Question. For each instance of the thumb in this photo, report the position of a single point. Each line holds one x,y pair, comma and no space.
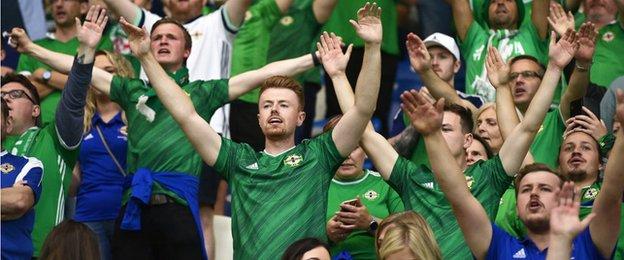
77,23
553,36
349,49
587,220
355,25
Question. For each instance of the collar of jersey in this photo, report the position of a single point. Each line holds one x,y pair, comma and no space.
366,173
276,155
3,152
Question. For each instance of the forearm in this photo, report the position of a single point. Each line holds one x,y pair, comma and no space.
539,12
541,101
344,93
506,114
405,143
124,8
369,80
42,89
380,152
462,15
57,61
440,89
577,87
447,172
70,110
14,202
247,81
236,10
559,248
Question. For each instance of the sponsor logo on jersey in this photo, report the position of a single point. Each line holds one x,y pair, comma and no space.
6,168
89,136
428,185
287,20
371,195
520,254
591,194
293,160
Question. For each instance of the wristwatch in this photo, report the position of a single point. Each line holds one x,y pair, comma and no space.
372,227
46,76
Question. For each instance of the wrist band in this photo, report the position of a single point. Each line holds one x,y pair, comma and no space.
580,68
315,59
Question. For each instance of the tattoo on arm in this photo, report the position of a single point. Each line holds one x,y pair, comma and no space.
406,142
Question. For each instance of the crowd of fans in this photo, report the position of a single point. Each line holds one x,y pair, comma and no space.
124,133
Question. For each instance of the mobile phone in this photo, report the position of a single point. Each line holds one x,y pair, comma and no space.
576,107
352,202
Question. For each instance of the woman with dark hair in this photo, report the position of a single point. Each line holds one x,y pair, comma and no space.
70,240
307,249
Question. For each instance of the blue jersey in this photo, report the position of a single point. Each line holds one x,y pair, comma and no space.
505,246
101,187
16,241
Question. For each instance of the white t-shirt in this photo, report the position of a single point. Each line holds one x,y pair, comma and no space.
211,53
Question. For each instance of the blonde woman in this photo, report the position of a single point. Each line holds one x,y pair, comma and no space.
99,173
406,235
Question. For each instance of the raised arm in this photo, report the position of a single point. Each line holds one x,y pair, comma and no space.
427,120
236,10
245,82
579,80
349,129
607,204
57,61
124,8
420,60
565,224
539,17
515,148
462,15
323,9
498,74
205,140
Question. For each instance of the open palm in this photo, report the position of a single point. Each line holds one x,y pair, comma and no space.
497,69
587,42
90,32
331,55
561,53
418,55
564,219
137,38
368,27
425,116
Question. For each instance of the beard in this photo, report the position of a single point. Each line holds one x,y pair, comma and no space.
538,225
577,175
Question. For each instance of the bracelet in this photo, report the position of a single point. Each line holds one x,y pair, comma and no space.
315,59
580,68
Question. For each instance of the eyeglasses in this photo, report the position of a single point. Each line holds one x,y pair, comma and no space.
525,74
17,93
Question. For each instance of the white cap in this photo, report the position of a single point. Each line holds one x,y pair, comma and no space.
445,41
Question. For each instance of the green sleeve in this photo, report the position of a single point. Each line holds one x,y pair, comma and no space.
494,175
209,96
475,37
399,178
227,158
25,63
395,204
70,156
327,152
119,91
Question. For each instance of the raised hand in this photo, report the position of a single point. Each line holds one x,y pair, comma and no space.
559,20
19,40
497,68
137,37
561,53
587,43
425,116
90,32
564,219
588,123
331,55
418,55
368,27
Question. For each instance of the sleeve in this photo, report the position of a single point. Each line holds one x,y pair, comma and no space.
70,110
328,155
226,22
476,35
119,91
148,19
498,242
494,175
395,204
209,96
227,158
399,177
34,176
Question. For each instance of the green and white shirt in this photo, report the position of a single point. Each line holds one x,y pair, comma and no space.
420,192
277,199
380,201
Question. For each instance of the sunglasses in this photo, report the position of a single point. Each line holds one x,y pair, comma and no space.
17,93
525,74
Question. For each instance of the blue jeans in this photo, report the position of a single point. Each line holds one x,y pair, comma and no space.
104,232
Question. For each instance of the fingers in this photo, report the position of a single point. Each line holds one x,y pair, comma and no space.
324,42
349,50
355,25
585,222
589,113
553,36
320,49
102,18
348,208
90,13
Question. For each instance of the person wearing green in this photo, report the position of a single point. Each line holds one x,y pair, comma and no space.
358,200
505,30
338,24
280,194
173,153
50,82
56,143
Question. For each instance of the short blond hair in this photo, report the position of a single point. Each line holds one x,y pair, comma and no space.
482,109
408,230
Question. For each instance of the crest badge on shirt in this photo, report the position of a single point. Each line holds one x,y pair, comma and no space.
469,181
590,194
7,168
287,20
293,160
371,195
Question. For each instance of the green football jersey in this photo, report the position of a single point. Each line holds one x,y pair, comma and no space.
347,10
158,143
510,43
251,44
277,199
420,192
295,35
380,201
58,163
545,147
28,64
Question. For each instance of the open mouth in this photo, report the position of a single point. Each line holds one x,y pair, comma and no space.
519,91
163,51
576,161
275,120
534,206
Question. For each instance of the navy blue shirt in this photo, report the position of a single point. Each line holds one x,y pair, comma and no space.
16,241
101,187
505,246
